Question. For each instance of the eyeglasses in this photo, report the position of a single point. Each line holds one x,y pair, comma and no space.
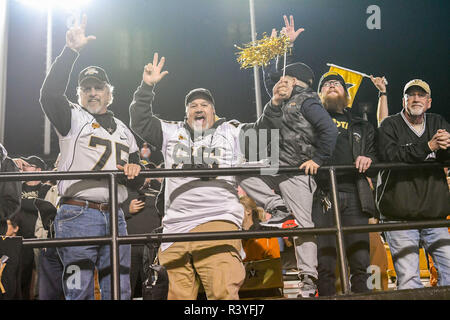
334,83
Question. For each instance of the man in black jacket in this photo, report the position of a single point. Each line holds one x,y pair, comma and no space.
9,248
10,191
27,218
414,136
355,145
142,216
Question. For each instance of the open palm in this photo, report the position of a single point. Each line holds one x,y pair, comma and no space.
76,36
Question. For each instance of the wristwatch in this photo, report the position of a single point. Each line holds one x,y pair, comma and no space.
382,94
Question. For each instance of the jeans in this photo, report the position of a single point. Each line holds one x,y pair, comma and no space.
404,246
357,245
80,262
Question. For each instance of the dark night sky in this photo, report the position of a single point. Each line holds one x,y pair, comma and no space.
197,38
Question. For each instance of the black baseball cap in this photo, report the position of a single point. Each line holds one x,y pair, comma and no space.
300,71
199,93
35,161
331,75
93,72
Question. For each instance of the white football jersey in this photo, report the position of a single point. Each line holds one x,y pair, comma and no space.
88,146
190,201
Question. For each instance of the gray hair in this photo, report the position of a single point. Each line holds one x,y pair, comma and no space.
111,95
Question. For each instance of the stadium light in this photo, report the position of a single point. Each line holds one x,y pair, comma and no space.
73,7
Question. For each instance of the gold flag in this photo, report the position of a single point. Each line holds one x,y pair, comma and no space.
352,79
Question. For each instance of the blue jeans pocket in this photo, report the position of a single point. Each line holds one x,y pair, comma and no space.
66,219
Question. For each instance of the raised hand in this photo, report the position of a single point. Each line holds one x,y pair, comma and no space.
281,91
20,163
289,29
379,83
76,36
152,71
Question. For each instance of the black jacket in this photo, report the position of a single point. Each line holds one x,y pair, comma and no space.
306,129
10,191
362,140
148,219
412,194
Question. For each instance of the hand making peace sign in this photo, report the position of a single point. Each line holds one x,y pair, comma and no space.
152,71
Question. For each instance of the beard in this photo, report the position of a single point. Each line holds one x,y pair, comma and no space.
335,103
416,112
94,110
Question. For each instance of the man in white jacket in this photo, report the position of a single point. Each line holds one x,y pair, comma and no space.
196,204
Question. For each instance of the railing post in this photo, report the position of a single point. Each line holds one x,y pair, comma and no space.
114,249
339,234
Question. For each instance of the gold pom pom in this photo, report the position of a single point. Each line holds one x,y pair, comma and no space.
260,52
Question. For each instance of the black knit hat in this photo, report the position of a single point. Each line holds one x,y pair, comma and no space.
301,72
199,93
331,76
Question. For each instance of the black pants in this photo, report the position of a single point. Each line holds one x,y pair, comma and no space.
357,245
27,268
51,272
136,270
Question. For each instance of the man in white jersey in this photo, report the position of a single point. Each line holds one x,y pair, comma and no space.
90,138
196,204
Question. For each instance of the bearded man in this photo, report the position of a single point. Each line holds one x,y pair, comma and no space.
355,145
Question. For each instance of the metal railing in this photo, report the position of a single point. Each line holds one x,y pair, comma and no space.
114,240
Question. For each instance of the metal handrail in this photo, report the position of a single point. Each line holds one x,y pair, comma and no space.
114,240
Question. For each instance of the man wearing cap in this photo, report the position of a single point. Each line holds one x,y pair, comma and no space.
415,136
355,145
90,138
28,219
308,138
196,204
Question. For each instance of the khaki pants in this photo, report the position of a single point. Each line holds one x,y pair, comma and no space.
217,265
378,257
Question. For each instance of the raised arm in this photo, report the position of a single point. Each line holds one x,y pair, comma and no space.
53,98
382,109
142,120
273,72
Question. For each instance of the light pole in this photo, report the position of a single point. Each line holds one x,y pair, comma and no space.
71,6
255,69
4,16
48,64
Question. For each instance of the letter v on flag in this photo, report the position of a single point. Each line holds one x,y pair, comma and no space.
352,79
